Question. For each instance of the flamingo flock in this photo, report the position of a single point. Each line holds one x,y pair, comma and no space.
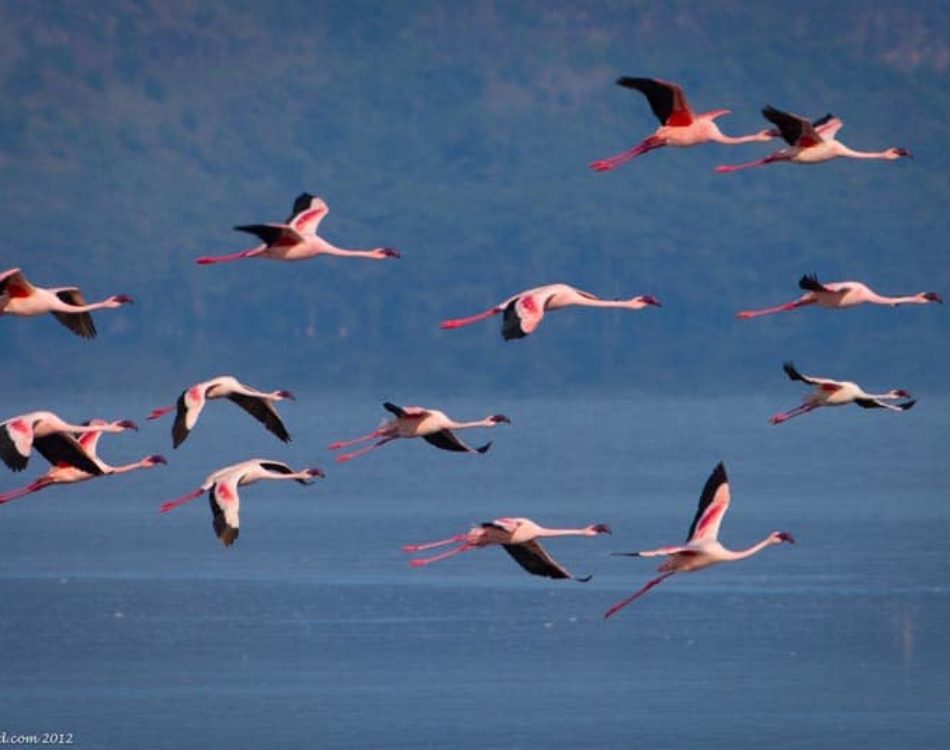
71,448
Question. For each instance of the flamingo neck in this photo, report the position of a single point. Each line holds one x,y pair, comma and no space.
744,553
486,422
566,532
842,150
880,299
328,249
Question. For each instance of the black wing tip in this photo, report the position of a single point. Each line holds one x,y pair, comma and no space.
809,282
583,579
719,474
484,448
908,405
790,370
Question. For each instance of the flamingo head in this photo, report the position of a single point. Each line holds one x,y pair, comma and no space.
897,153
388,252
155,460
127,424
782,536
499,419
932,297
286,395
314,472
649,299
899,393
121,299
599,528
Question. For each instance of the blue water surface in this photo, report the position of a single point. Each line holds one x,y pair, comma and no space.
128,628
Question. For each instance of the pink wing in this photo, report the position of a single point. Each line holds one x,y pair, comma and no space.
307,221
530,312
713,504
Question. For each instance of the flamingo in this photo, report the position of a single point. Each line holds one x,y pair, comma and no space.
702,548
808,144
519,538
838,393
222,488
297,238
838,295
65,473
256,403
19,297
415,421
50,436
679,125
524,311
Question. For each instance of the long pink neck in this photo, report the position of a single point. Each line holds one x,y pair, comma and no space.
486,422
144,463
754,549
843,150
720,137
880,299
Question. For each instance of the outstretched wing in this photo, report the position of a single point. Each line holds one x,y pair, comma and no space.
873,403
272,234
14,284
713,504
187,411
225,505
307,213
795,130
667,100
60,448
825,383
522,316
79,323
16,443
534,558
447,441
264,412
393,409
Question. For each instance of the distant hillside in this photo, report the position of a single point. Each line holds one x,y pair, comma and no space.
134,135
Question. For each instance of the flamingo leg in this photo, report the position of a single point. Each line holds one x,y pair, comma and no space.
612,162
344,443
209,259
419,562
344,457
459,322
624,602
160,411
784,416
787,307
172,504
430,545
725,168
18,493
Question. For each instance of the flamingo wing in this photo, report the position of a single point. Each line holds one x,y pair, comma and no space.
187,410
393,409
307,213
795,130
60,448
826,384
810,283
79,323
89,442
448,441
13,281
279,467
667,100
264,412
16,442
873,403
521,317
272,234
225,505
534,558
713,504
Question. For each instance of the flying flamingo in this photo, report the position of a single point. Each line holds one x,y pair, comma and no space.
810,145
51,436
414,421
297,238
679,125
838,295
524,311
65,473
256,403
838,393
222,488
19,297
519,538
702,548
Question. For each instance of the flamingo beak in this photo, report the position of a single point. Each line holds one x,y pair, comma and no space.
128,424
157,459
904,152
287,395
786,537
500,419
315,472
602,528
651,300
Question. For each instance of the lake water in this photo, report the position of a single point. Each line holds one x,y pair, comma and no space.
128,628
